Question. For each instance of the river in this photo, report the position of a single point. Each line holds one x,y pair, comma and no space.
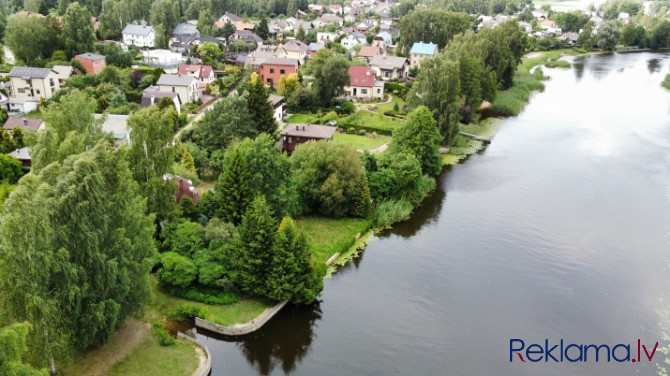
557,230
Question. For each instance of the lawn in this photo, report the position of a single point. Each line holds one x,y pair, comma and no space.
328,236
241,312
362,142
152,359
389,106
300,118
377,121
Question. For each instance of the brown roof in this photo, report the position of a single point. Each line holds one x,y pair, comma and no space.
23,123
370,51
309,131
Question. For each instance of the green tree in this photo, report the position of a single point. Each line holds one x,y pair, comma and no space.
75,241
78,35
438,88
253,245
420,136
608,36
262,29
113,18
10,169
430,25
17,137
505,46
288,85
183,237
291,273
151,155
228,120
227,30
629,34
330,179
585,39
260,108
233,188
164,19
398,176
209,52
331,75
187,161
177,270
13,351
300,34
27,37
205,21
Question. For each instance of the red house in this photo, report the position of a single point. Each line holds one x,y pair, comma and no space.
93,63
185,188
272,69
296,134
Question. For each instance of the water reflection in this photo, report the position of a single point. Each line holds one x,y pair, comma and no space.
578,66
426,214
654,65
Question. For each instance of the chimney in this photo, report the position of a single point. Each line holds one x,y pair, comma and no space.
303,127
296,128
25,122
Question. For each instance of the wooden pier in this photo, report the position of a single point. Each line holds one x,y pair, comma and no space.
475,137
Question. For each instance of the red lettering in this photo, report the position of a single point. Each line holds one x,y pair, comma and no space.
647,353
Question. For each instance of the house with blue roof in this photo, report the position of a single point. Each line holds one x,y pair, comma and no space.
422,51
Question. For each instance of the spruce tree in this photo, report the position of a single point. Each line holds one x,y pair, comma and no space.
262,30
300,35
233,188
253,244
187,161
260,108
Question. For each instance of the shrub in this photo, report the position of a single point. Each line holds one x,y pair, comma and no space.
177,270
164,338
362,132
666,81
392,211
205,295
558,64
10,169
186,311
351,130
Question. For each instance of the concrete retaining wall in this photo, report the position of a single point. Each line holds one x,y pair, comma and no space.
208,367
240,330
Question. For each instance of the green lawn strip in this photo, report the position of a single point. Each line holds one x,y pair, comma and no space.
373,120
238,313
300,118
152,359
389,106
328,236
36,114
362,142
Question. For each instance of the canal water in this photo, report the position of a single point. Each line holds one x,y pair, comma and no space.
558,230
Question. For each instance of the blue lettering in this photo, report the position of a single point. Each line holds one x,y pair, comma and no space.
512,350
547,351
530,351
567,355
597,348
627,358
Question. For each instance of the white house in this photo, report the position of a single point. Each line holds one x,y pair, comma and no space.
162,58
354,39
277,102
139,35
28,86
117,125
184,85
325,37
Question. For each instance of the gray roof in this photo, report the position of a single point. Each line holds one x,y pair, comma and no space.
29,72
281,61
296,45
316,46
64,71
175,80
388,62
275,99
23,123
116,124
91,56
185,28
151,95
142,30
309,131
22,154
233,17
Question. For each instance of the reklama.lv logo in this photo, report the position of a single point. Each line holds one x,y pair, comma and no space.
579,352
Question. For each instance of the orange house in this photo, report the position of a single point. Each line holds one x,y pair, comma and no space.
272,69
93,63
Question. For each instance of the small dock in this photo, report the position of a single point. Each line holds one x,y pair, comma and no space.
475,137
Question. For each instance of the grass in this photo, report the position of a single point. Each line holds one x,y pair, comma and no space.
35,114
362,142
389,106
377,121
464,146
328,236
152,359
241,312
558,64
666,81
300,118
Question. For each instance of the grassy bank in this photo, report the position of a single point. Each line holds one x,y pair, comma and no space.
362,142
328,236
666,81
152,359
464,146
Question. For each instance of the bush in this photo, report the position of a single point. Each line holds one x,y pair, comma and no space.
558,64
10,169
666,81
177,270
362,132
186,311
205,295
392,211
164,338
351,130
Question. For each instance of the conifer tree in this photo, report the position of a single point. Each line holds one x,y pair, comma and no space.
17,136
187,161
233,189
262,30
253,244
259,107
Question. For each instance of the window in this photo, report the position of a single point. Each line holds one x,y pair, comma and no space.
27,82
378,91
272,70
21,90
290,140
364,91
281,71
37,92
51,82
173,89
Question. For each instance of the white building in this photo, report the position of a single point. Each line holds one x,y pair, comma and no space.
139,35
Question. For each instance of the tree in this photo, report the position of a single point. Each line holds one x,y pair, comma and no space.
182,237
205,21
430,25
209,52
331,75
291,273
262,29
505,46
330,179
260,109
17,137
420,136
300,34
233,188
74,243
228,120
228,29
164,19
629,34
11,169
187,161
13,351
287,85
608,36
177,270
585,39
113,17
27,37
438,88
151,155
78,33
253,244
660,37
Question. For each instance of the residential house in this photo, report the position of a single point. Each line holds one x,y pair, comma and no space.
365,25
185,188
354,39
152,95
382,39
354,14
245,36
328,19
93,63
26,124
29,85
315,8
162,58
394,32
117,125
325,37
277,102
273,69
244,26
550,28
297,134
314,48
335,8
185,33
570,39
363,84
390,67
184,85
296,49
203,73
227,17
368,52
422,51
139,35
300,14
23,155
64,73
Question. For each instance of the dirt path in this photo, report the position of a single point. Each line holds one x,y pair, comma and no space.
100,361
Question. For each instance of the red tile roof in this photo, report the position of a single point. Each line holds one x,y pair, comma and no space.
361,76
201,71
